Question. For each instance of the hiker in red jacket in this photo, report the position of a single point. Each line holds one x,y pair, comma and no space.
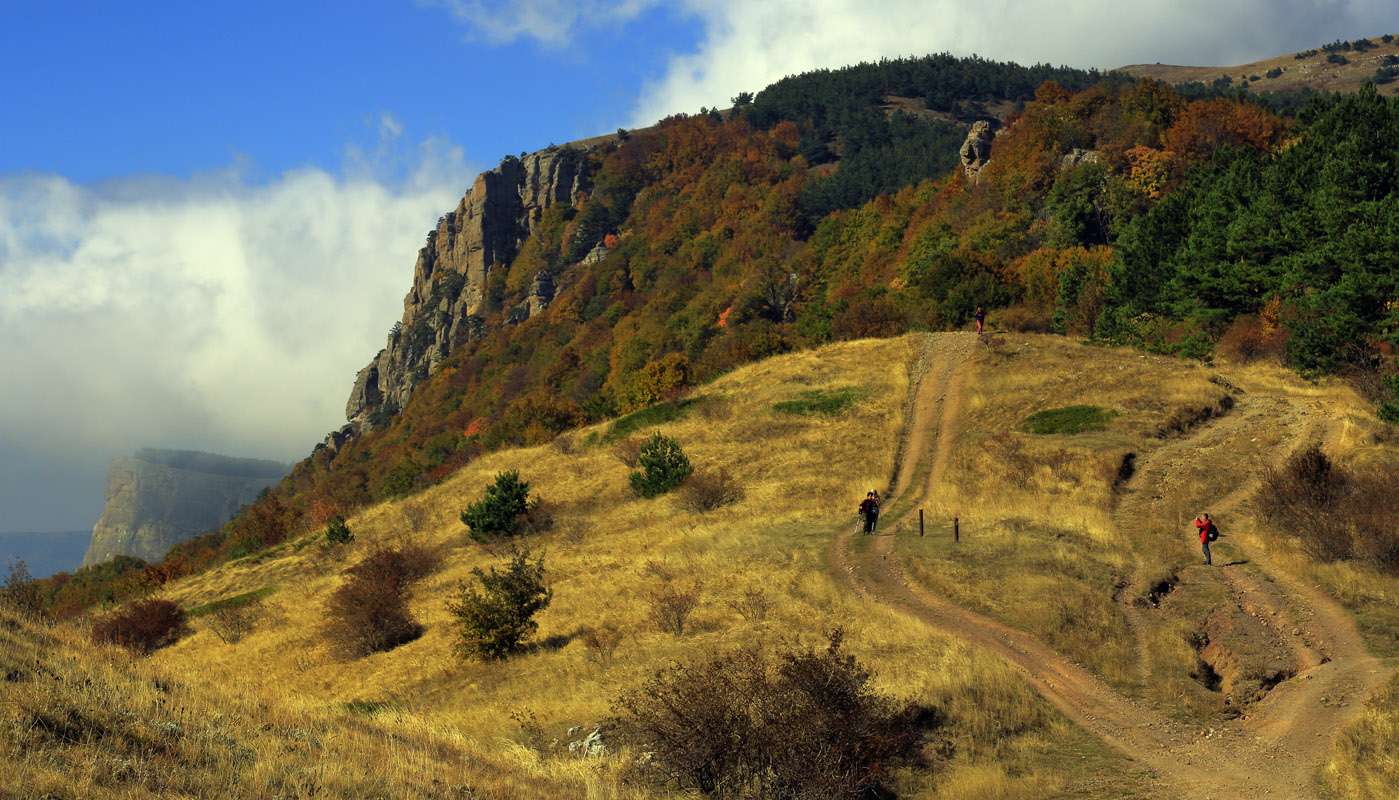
1206,527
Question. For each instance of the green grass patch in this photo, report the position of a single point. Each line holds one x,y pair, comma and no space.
650,417
236,601
1069,419
820,403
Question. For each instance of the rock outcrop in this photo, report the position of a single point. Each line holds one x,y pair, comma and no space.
1078,156
976,150
158,498
444,307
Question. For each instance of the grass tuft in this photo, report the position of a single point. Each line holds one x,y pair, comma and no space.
1067,420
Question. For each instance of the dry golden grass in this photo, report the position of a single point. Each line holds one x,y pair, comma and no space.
503,726
1039,548
1364,763
1042,522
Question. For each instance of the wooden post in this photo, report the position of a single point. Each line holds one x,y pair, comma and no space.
920,523
956,530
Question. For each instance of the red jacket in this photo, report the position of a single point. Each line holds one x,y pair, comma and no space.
1204,526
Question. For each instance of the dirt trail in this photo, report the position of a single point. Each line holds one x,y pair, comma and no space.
1270,753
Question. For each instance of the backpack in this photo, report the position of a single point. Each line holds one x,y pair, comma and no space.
1213,532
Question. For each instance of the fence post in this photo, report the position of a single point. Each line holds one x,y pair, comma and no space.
956,530
920,523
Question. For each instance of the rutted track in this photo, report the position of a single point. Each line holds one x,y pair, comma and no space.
1271,753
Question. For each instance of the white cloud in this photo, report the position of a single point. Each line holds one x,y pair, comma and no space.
210,313
746,45
551,22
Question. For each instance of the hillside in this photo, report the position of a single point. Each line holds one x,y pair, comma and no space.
1069,641
1337,67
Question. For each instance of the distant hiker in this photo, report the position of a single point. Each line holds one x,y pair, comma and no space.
1208,533
980,317
867,512
874,511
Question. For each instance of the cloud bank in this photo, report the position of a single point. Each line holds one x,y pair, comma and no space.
214,313
743,46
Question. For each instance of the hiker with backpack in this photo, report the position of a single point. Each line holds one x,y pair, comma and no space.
869,511
1208,533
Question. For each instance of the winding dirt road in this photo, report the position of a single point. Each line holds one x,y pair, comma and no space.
1270,753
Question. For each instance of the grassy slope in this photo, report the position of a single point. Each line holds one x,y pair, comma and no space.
1039,521
1312,72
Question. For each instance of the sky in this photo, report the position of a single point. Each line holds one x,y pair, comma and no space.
209,212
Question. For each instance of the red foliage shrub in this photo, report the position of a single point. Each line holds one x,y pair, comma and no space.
144,626
1250,339
369,613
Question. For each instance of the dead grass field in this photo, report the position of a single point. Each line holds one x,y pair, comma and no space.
1043,548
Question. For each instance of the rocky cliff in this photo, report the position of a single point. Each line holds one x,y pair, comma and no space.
441,310
160,497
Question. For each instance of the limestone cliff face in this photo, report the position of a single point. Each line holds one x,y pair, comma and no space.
161,497
441,309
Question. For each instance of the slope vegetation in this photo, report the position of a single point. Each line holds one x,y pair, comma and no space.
1069,639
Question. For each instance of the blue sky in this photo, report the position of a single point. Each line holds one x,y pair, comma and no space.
209,211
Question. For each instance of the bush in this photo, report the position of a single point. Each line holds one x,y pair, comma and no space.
706,490
671,607
495,621
232,623
498,513
1333,513
628,452
143,627
21,593
337,532
739,726
369,613
1250,339
663,467
600,643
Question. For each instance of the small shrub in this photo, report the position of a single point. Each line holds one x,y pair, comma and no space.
369,613
752,606
21,593
1026,319
143,627
706,490
498,513
416,514
1067,420
819,403
1250,339
1334,513
627,451
600,643
231,624
337,532
738,725
493,622
1007,454
1301,499
671,607
663,466
401,566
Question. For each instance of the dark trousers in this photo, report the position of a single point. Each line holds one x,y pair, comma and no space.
1205,546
